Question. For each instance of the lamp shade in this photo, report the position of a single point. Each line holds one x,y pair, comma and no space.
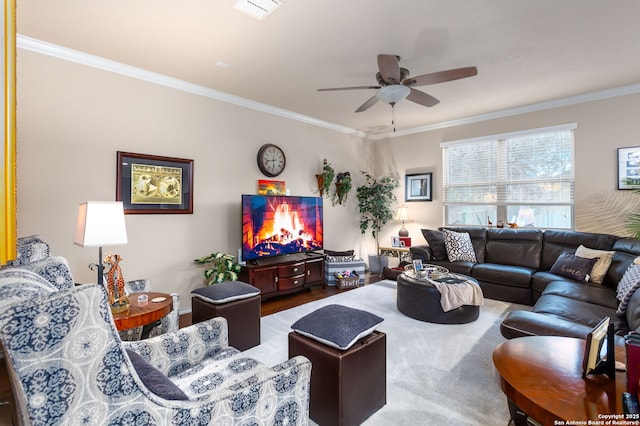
100,223
402,214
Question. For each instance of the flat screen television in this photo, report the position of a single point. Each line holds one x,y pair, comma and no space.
274,225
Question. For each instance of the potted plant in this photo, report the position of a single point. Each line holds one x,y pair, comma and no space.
223,268
343,186
375,198
325,179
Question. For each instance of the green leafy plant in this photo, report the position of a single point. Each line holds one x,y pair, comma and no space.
325,179
343,186
375,199
223,268
633,222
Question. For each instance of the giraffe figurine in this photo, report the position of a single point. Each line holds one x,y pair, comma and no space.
118,299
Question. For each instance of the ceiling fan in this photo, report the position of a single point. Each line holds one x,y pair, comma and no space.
395,83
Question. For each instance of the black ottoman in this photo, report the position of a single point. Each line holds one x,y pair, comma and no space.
239,303
420,300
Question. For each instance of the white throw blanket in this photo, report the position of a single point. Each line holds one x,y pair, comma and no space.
452,296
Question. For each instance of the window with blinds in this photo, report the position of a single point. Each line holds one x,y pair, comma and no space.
525,178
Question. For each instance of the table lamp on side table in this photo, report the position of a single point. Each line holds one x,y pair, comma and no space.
100,223
402,214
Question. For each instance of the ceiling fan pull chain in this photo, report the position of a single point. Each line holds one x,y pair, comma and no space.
393,116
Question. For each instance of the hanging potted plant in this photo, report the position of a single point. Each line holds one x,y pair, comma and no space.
343,186
223,268
325,179
375,199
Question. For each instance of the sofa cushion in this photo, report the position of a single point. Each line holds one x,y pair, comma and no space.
581,312
517,247
227,291
337,326
628,285
522,323
602,265
591,293
516,276
459,247
154,380
435,239
574,267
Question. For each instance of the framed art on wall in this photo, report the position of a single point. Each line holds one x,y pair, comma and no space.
150,184
417,187
629,168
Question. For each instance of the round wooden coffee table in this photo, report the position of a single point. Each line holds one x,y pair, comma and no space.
542,376
143,313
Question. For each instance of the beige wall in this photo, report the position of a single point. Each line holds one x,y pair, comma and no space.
72,119
603,126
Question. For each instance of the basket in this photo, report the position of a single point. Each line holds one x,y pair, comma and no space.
347,282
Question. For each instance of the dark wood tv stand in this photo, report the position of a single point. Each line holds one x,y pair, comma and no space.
285,274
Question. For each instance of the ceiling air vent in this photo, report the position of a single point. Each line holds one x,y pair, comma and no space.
258,9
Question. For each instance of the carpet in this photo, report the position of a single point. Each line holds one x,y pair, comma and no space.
437,374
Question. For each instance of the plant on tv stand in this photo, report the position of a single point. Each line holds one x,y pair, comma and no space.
223,268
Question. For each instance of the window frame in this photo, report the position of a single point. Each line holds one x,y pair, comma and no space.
501,204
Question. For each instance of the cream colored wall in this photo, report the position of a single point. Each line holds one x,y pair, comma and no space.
603,126
71,121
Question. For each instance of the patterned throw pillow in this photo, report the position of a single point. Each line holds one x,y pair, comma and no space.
629,283
459,247
602,265
574,267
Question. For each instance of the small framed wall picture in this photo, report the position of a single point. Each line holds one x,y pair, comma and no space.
629,168
418,187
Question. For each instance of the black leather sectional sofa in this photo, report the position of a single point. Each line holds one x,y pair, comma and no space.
514,265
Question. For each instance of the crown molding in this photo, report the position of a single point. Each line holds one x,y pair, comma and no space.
53,50
50,49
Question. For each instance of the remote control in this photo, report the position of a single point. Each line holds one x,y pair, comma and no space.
630,403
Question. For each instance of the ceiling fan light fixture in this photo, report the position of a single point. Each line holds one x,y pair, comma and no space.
393,93
258,9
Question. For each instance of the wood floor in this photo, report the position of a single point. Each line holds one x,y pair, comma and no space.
281,303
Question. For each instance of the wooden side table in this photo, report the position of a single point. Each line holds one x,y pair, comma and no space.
542,376
143,313
402,253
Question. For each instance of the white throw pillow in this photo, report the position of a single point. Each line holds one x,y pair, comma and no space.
459,247
629,283
602,265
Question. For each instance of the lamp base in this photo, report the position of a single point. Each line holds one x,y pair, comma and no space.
403,232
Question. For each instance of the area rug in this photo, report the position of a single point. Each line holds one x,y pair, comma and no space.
436,374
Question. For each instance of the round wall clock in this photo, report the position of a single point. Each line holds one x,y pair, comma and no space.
271,160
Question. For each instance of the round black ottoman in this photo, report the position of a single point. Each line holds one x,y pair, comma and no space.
420,300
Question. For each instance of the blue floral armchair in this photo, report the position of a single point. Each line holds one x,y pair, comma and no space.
67,365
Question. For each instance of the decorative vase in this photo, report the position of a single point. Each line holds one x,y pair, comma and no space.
116,293
320,179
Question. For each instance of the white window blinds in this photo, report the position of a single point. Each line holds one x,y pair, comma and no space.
525,178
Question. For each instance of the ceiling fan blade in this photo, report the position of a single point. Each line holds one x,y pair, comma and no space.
365,106
422,98
441,76
389,68
349,88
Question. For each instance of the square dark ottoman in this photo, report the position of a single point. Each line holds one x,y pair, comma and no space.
347,385
236,301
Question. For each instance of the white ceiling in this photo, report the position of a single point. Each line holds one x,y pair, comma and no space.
526,51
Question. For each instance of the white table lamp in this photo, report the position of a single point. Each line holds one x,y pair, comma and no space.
100,223
403,215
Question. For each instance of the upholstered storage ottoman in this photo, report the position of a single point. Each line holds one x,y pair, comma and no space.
239,303
347,386
330,269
